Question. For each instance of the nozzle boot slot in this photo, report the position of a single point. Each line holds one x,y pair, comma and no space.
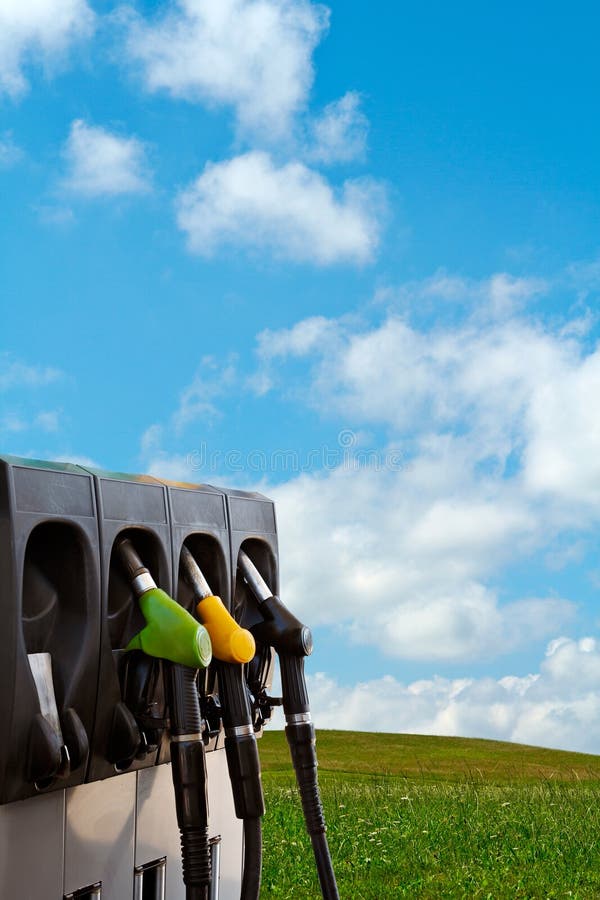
138,720
215,863
55,685
91,892
209,555
125,618
259,672
150,881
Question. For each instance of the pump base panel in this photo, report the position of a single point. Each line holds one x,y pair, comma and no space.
103,839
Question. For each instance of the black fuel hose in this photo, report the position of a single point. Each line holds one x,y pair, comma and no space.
300,734
252,858
292,641
244,770
188,767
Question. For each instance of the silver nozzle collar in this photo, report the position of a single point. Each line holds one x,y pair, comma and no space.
142,583
298,718
239,731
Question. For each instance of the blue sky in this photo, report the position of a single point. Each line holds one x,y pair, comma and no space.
361,254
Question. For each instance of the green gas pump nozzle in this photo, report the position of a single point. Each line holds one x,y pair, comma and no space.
170,631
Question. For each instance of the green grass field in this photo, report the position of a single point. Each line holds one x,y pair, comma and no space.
429,817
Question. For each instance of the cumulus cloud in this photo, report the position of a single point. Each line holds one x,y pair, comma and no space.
40,30
559,706
404,559
412,540
100,163
491,419
340,132
562,457
291,210
510,384
252,55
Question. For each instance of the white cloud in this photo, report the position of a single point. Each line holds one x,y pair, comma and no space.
496,297
340,133
199,403
10,153
173,467
557,707
101,163
38,30
59,216
509,383
253,55
48,421
13,424
409,555
290,209
45,421
16,374
78,460
404,559
562,457
199,400
493,417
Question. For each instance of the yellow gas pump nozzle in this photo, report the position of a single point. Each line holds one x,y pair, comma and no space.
230,642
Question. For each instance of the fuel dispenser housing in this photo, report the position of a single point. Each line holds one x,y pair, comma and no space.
105,825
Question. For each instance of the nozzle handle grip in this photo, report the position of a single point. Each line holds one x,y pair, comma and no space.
240,743
182,694
301,740
282,630
293,685
171,632
230,642
243,764
234,695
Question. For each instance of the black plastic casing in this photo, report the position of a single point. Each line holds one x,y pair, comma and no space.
135,506
64,591
198,515
49,602
253,528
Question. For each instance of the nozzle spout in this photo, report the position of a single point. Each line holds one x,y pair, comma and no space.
256,582
194,576
138,574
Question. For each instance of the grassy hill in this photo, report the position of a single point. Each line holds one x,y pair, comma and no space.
434,758
430,817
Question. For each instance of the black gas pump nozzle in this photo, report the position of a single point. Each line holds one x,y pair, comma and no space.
172,635
292,641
